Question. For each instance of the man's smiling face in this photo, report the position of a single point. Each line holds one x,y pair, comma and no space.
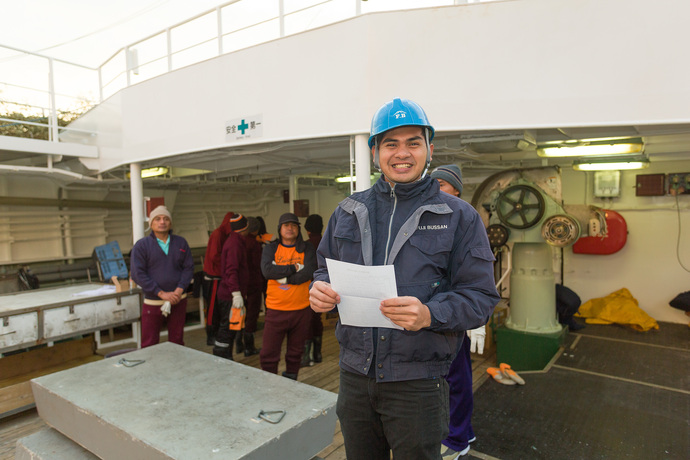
402,154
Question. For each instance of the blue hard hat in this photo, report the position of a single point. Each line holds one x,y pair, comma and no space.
397,113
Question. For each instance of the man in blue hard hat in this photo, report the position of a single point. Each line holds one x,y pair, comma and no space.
392,392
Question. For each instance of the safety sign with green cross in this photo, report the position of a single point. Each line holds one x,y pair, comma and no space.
244,128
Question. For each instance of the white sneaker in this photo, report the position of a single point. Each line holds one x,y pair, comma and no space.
450,454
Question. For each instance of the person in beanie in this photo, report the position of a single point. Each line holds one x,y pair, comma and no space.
233,286
459,378
288,264
255,289
162,265
314,226
392,394
449,178
212,277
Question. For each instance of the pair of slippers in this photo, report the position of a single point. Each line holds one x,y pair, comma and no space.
505,375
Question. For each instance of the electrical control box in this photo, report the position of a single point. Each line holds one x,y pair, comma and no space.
679,184
607,184
650,185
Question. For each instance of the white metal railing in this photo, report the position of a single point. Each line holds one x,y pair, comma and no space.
234,25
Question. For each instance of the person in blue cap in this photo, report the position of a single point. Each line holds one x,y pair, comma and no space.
392,394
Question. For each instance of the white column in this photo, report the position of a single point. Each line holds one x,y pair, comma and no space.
362,162
137,193
293,191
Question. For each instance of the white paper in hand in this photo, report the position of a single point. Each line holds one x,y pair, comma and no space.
361,289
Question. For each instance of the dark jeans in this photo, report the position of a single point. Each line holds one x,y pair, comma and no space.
409,417
459,380
294,324
316,326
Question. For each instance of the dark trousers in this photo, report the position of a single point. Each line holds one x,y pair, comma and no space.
211,300
410,418
459,380
225,335
253,308
152,319
316,326
278,324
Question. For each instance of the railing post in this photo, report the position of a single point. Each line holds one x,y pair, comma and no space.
128,65
169,40
281,18
100,83
52,123
219,20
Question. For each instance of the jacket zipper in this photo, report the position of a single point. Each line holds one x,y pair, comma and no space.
390,223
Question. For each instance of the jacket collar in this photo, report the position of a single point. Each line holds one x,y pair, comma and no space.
425,185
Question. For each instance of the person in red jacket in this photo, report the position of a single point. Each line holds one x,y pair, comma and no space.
255,290
233,284
212,276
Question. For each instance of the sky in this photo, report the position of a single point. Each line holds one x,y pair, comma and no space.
88,32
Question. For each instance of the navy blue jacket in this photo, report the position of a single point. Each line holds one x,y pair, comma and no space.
440,251
154,271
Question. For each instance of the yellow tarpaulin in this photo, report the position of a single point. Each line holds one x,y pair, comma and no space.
619,307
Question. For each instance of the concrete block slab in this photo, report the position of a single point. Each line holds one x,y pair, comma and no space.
181,403
49,444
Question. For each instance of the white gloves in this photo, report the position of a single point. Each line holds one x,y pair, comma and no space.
477,337
282,280
165,308
299,266
237,300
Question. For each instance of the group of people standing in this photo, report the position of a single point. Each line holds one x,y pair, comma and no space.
244,267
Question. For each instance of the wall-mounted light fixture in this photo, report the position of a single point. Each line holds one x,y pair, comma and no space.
611,164
171,172
153,172
592,148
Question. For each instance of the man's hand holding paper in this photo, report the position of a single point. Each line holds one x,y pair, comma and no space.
362,291
408,312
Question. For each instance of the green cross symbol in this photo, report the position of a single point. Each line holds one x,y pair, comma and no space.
243,126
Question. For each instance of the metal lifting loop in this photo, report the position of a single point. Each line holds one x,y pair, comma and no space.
266,415
130,362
